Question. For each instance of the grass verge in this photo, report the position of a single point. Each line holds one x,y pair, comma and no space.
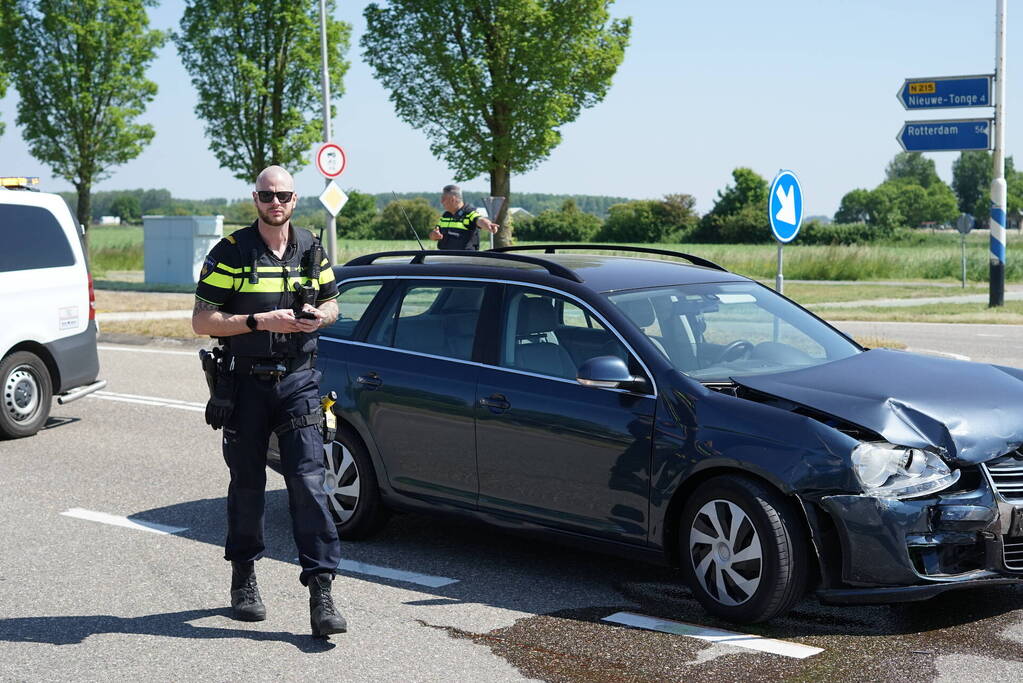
1009,314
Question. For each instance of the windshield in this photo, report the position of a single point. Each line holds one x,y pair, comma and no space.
715,331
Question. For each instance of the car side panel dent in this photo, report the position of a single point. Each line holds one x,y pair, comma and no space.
794,453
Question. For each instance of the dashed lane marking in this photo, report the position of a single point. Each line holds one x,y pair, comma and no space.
714,635
150,401
356,567
932,352
114,520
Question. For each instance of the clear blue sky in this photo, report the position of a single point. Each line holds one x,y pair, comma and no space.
807,85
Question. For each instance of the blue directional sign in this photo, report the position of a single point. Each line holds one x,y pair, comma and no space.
785,206
945,136
946,92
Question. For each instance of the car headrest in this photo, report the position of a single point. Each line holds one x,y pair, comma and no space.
536,314
639,311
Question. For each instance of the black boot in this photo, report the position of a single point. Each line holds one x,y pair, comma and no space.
246,605
323,616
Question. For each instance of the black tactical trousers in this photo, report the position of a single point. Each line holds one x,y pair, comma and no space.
262,404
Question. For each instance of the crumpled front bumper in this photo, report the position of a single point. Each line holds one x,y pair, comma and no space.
906,550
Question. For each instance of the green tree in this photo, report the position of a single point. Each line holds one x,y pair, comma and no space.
883,212
743,199
357,217
651,221
490,83
3,88
392,223
912,167
79,67
126,207
567,224
256,70
971,181
854,207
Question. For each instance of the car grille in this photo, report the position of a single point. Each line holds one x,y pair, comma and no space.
1006,475
1013,548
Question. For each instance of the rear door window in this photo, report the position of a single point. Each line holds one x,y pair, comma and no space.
32,239
433,318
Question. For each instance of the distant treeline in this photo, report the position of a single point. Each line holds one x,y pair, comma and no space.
533,202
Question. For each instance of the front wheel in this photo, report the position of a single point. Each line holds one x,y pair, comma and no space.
743,550
27,394
351,486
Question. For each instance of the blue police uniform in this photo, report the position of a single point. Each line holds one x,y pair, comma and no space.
458,230
241,275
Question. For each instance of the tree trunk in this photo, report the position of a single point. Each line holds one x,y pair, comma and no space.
84,212
500,186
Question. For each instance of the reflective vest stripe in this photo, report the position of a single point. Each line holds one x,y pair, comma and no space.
220,280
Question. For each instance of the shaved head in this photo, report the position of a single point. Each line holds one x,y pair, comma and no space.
274,182
275,175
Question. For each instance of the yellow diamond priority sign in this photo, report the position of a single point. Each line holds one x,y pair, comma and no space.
333,198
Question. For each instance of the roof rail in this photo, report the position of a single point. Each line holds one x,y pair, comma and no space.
550,249
555,269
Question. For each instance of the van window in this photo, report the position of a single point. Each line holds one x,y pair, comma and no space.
32,239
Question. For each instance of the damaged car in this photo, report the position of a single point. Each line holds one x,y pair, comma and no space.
655,405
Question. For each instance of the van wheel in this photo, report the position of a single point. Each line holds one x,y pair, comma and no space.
27,394
351,486
743,550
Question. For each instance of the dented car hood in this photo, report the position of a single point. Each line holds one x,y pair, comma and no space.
972,411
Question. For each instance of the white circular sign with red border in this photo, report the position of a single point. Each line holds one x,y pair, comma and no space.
330,159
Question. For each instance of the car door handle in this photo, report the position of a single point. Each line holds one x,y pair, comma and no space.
496,403
370,380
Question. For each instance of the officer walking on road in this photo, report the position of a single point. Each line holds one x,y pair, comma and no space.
459,227
265,291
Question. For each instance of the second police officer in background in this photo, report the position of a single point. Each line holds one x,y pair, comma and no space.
265,291
458,227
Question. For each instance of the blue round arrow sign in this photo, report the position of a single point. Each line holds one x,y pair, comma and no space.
785,206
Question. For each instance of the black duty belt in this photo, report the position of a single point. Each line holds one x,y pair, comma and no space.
271,367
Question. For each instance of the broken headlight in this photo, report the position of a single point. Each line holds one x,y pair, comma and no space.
889,471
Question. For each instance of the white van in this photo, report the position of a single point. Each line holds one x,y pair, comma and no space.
47,305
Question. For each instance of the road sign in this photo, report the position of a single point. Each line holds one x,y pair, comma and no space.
333,198
965,223
951,135
330,160
946,92
785,206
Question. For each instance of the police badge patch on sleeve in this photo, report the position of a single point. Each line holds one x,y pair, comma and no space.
207,265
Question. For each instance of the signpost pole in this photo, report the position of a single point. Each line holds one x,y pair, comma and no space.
996,296
779,280
329,224
962,243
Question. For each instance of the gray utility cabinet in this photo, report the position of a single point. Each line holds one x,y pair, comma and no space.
175,246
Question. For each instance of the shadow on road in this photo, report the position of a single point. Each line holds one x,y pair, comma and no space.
515,572
70,630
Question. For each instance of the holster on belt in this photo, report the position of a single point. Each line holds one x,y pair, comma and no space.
221,382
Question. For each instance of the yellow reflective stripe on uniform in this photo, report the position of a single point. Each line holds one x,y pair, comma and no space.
228,269
449,224
215,279
326,277
266,285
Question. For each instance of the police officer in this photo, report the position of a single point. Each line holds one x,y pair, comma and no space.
459,227
246,298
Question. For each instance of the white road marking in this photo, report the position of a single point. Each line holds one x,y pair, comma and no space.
114,520
714,635
150,401
104,347
947,354
993,336
428,580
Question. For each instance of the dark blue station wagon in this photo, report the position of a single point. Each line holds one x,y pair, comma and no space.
672,411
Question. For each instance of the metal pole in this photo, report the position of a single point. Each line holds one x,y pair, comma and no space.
779,280
996,295
962,242
329,225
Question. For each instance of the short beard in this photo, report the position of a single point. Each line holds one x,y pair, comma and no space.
269,219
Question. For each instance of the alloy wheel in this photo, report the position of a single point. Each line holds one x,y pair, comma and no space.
341,481
726,552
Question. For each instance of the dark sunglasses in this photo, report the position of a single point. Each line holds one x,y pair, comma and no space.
266,196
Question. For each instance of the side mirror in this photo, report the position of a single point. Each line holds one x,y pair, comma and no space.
609,372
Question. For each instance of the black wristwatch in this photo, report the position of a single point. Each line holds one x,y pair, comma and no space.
250,322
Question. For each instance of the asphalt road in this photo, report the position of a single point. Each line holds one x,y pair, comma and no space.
84,599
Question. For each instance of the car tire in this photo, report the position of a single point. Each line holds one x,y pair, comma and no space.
27,394
742,550
353,496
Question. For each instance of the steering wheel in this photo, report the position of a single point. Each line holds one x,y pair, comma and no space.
730,350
